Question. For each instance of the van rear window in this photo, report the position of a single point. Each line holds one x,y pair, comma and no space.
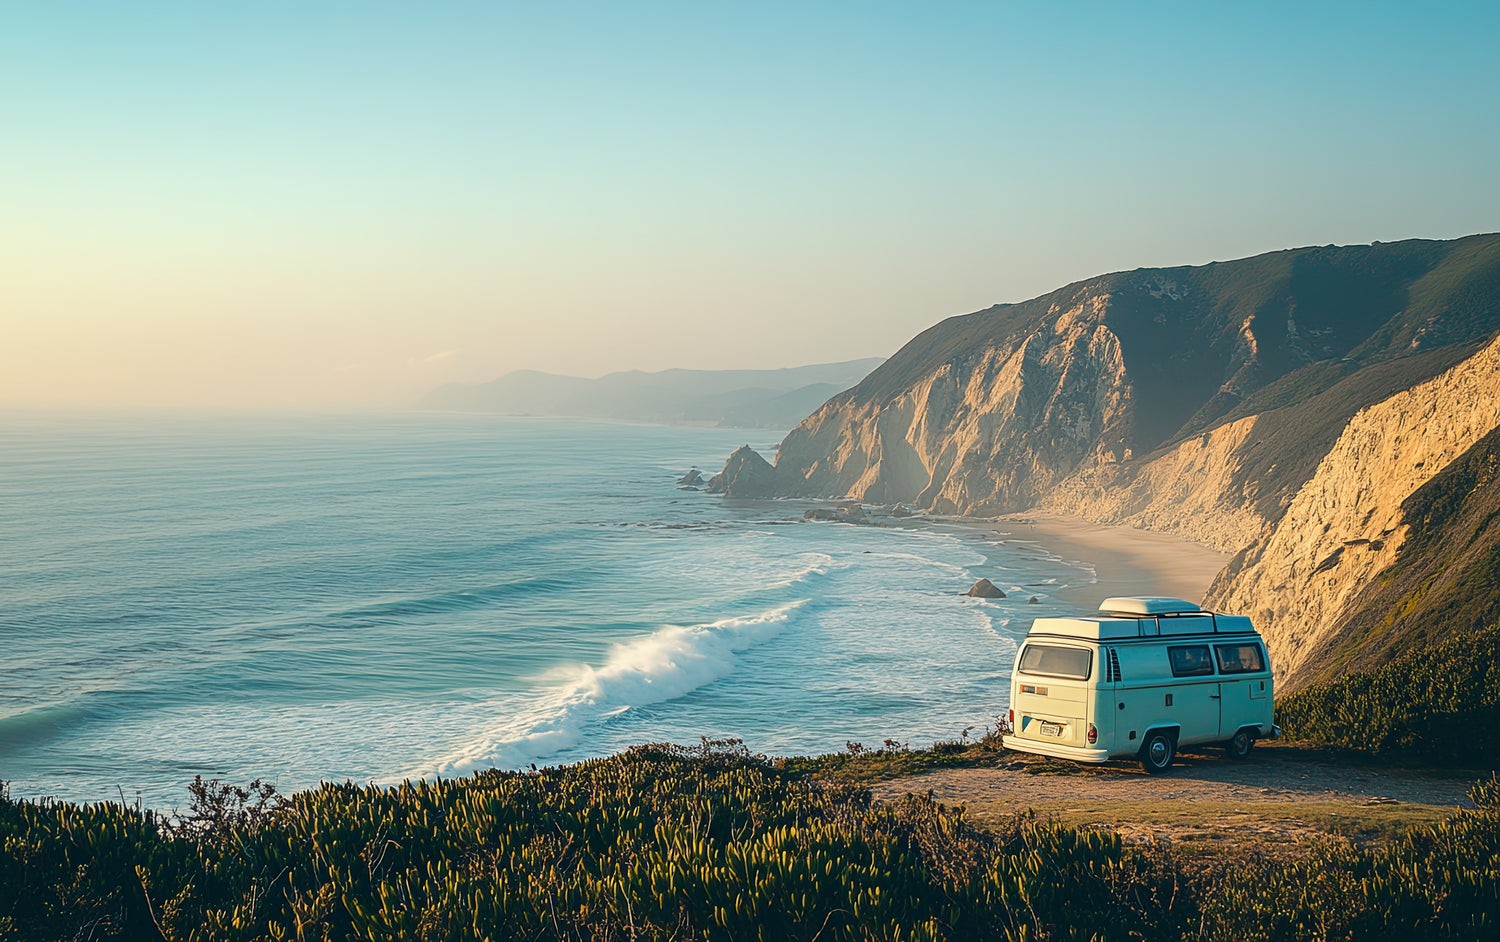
1052,661
1240,658
1190,661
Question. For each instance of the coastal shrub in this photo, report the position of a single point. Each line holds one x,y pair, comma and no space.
1436,704
701,843
654,844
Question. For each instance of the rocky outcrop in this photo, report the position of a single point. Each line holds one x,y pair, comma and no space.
985,589
693,478
844,513
746,474
1345,526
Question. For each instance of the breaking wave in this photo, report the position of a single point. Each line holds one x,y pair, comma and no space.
661,666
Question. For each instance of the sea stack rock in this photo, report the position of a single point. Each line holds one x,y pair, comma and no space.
1033,601
745,474
692,479
985,589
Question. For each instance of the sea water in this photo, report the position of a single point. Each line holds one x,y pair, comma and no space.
302,599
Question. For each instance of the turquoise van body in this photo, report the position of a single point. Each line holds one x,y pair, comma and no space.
1143,678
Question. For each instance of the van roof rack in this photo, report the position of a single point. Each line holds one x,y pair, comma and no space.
1134,605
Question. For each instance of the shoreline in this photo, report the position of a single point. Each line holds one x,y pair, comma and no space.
1125,560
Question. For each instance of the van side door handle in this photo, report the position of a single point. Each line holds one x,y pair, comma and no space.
1213,696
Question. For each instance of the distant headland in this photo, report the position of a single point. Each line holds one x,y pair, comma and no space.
731,398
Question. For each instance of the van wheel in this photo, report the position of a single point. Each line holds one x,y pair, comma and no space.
1239,747
1157,752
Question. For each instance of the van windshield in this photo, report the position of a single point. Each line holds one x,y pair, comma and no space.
1052,661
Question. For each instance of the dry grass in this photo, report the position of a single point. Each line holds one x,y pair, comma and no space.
1251,822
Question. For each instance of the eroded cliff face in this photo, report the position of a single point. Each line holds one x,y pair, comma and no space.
1344,526
988,434
1192,491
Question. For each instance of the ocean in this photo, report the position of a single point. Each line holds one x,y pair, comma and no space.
376,597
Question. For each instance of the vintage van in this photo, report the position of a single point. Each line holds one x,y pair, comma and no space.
1139,680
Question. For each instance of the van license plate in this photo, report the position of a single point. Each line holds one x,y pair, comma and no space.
1051,729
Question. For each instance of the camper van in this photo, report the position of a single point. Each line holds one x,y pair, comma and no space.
1141,679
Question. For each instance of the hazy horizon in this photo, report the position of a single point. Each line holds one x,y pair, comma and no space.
270,207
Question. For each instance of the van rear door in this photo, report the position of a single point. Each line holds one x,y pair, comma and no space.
1051,693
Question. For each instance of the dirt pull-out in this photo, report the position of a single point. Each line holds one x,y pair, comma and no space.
1280,795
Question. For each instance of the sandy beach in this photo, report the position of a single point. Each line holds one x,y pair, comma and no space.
1127,561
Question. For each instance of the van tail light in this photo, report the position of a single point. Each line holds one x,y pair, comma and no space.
1093,734
1012,713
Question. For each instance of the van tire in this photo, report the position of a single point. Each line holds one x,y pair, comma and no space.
1158,751
1239,747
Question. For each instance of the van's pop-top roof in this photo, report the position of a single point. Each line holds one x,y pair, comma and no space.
1147,605
1143,617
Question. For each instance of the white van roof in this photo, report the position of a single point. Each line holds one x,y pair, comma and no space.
1146,605
1125,617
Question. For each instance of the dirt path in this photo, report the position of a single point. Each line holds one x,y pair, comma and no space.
1280,795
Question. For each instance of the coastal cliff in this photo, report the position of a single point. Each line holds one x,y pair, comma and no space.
1346,525
941,442
1281,407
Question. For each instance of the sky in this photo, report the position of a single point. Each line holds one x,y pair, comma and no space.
342,205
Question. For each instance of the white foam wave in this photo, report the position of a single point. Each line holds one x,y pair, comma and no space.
664,665
928,562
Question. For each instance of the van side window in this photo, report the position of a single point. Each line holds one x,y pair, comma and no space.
1240,658
1051,660
1191,661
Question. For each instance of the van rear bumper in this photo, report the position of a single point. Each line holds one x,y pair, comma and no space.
1055,750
